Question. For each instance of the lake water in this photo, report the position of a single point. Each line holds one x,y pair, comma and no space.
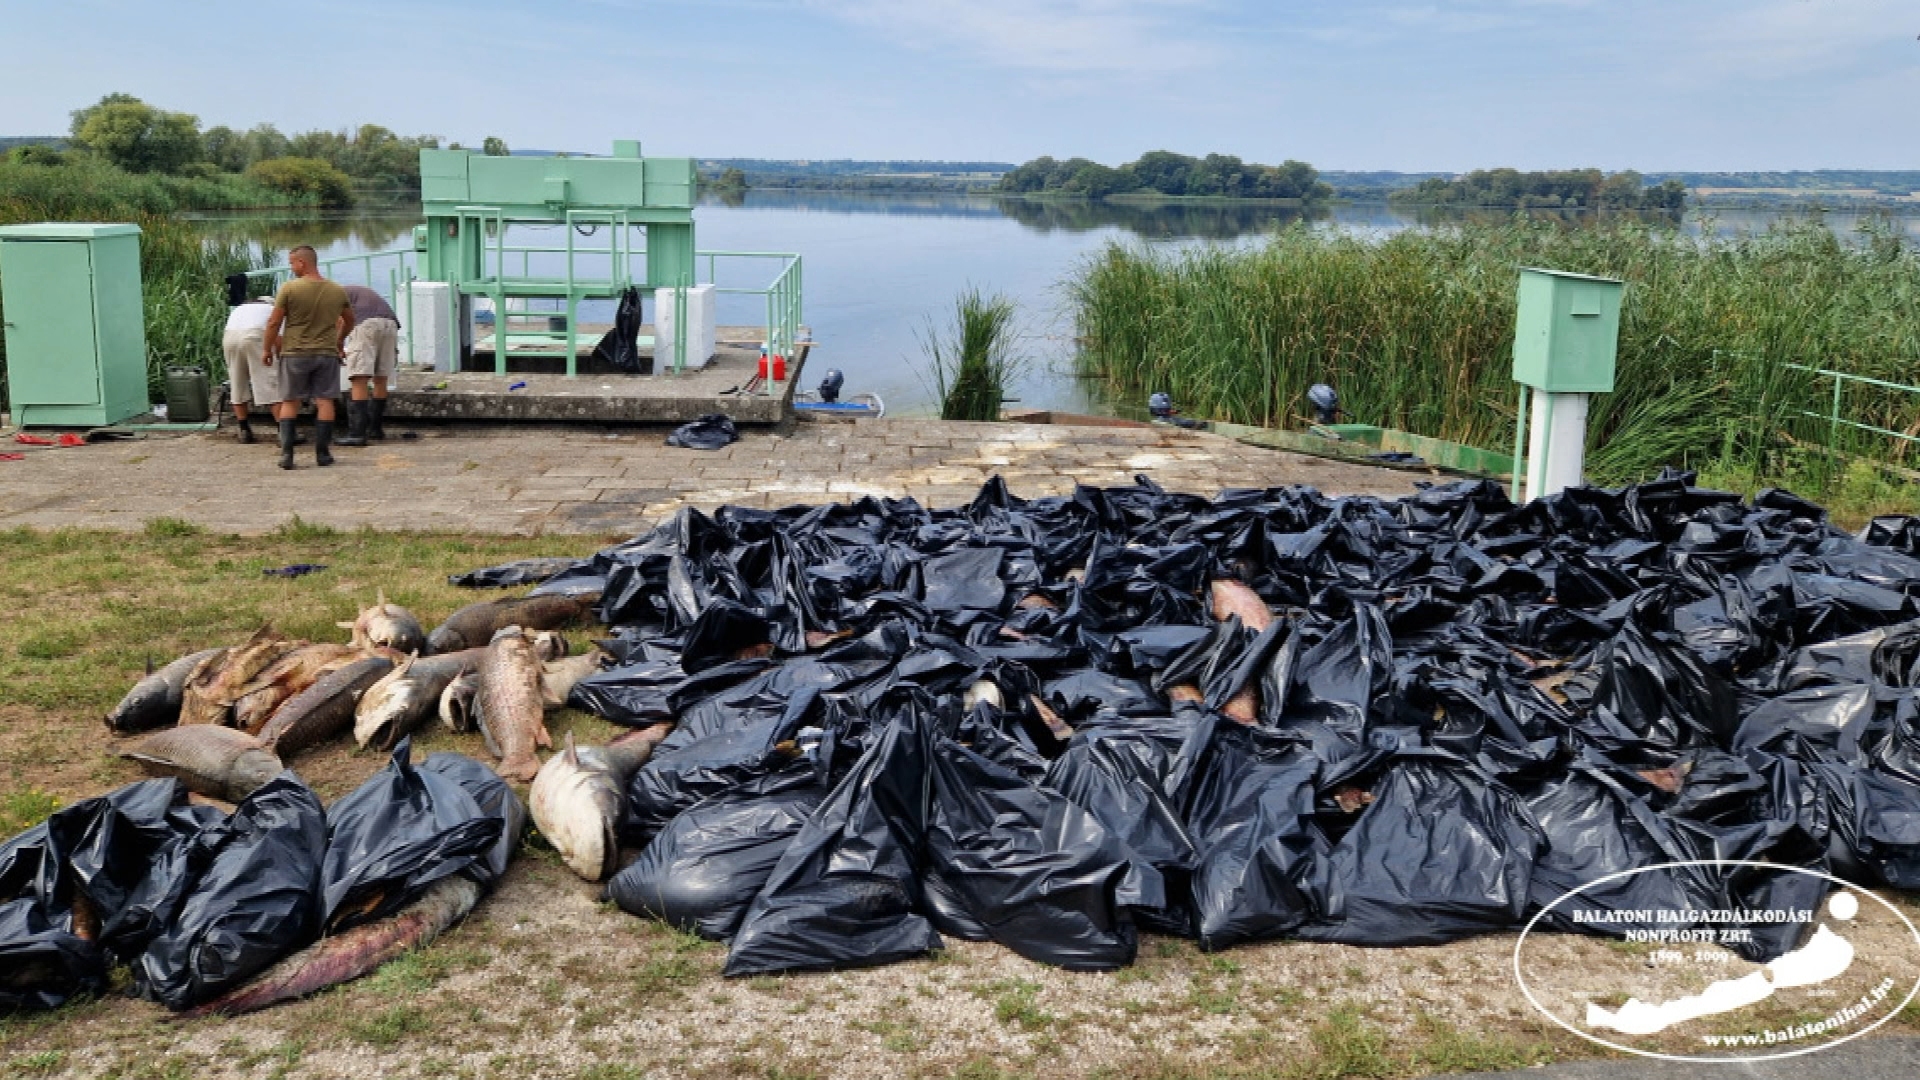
878,267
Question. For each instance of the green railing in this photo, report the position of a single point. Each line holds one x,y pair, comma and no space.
783,294
1835,421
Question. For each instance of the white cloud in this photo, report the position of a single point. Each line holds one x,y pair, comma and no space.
1056,37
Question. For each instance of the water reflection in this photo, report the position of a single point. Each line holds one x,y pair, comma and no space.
372,228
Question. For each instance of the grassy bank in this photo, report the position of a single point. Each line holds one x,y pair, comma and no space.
1416,332
182,276
86,189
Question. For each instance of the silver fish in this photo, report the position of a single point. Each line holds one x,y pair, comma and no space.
559,676
155,700
211,760
387,626
408,695
322,710
458,701
577,798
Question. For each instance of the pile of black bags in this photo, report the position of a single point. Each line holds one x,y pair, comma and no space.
1461,710
196,901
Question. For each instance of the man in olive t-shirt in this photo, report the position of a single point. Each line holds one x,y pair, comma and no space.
307,333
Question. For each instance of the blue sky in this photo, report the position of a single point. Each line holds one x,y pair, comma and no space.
1362,84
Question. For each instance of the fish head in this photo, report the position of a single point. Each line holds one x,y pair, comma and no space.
250,772
551,645
445,639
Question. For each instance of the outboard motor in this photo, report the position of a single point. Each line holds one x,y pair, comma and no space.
830,385
1326,403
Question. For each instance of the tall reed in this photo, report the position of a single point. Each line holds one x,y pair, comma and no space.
1416,332
973,362
182,285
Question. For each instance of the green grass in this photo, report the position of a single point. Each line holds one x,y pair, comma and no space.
22,810
972,361
389,1026
1415,331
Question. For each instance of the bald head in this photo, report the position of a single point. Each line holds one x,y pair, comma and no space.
303,260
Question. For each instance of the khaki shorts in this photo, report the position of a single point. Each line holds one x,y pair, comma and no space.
373,348
313,375
253,382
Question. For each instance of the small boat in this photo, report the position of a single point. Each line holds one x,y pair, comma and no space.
868,405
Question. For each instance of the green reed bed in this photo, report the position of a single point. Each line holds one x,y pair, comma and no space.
182,275
972,362
1416,332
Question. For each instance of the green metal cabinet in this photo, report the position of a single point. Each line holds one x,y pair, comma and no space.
1567,333
75,329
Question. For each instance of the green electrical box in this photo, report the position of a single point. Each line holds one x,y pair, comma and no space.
75,329
1567,333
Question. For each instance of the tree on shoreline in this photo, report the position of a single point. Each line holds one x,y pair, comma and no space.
1162,172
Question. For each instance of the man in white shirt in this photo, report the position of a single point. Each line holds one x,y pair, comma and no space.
253,381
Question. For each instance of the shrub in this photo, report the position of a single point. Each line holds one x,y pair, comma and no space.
305,177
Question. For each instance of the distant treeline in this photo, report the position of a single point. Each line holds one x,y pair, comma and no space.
860,176
1582,189
324,167
1165,173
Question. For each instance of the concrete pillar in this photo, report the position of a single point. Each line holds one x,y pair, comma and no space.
1557,444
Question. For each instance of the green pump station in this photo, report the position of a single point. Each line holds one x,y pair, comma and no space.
76,332
1565,346
470,200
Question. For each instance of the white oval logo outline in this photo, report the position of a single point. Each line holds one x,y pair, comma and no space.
1520,978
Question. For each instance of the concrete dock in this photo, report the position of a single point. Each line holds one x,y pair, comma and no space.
534,389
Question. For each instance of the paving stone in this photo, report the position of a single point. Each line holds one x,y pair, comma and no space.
533,479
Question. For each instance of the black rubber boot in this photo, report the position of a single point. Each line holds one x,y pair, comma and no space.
322,439
246,430
377,419
356,424
286,443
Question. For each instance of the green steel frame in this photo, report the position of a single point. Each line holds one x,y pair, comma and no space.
783,295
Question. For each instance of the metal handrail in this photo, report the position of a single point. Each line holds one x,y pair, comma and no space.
783,294
1834,420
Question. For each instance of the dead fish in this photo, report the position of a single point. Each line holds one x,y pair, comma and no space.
1055,725
473,626
983,690
577,799
559,676
346,956
212,760
284,678
457,702
650,734
322,710
1233,598
215,684
510,709
820,639
1185,692
387,626
1035,600
406,696
550,645
155,700
754,652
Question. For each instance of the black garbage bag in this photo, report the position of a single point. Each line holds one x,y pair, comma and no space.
1041,875
620,346
703,870
395,835
508,575
761,757
234,898
496,800
1439,851
710,432
1250,800
847,891
1119,769
1901,532
43,963
65,887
